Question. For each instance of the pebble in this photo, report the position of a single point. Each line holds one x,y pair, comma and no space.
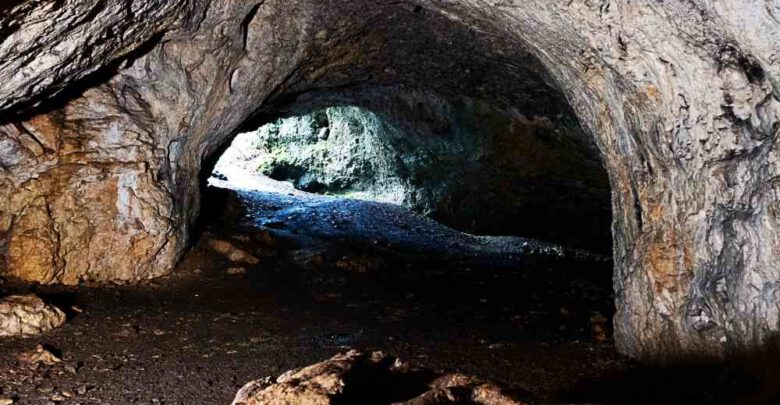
236,270
6,401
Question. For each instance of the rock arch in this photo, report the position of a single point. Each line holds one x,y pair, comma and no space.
109,109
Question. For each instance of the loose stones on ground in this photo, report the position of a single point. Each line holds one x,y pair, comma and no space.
233,253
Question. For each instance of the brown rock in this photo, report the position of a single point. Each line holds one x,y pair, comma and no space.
232,253
599,327
362,263
28,315
40,355
359,378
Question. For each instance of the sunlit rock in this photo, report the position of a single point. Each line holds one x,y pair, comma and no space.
355,378
22,315
41,355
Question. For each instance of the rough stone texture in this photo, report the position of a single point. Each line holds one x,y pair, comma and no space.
41,355
357,378
47,45
28,315
83,196
465,164
681,99
233,253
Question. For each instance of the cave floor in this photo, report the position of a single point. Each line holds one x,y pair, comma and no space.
445,302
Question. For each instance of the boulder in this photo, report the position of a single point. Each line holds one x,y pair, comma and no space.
24,315
356,378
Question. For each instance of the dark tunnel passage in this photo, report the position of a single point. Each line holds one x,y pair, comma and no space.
351,216
466,165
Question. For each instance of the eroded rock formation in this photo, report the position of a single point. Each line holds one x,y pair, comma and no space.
358,378
110,109
28,315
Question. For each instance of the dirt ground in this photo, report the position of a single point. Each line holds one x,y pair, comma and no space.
332,275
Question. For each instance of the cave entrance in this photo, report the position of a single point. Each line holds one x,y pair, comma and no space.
471,168
341,206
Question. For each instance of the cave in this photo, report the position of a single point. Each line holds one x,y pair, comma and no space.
466,165
575,200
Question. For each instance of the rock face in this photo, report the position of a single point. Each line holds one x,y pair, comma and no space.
28,315
109,114
357,378
466,164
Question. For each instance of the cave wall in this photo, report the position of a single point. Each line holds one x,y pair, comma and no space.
681,99
84,196
464,162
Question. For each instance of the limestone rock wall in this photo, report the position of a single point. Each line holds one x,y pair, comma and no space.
84,196
680,98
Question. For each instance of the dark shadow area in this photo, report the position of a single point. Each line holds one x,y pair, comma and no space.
368,252
379,384
752,378
64,300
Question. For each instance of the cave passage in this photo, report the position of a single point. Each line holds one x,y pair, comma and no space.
316,273
468,173
342,177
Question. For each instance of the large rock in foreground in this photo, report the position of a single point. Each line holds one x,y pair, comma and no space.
358,378
28,315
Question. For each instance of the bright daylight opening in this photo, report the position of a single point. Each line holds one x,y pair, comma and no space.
469,177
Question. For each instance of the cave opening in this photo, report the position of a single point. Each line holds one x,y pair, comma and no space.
333,213
471,168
